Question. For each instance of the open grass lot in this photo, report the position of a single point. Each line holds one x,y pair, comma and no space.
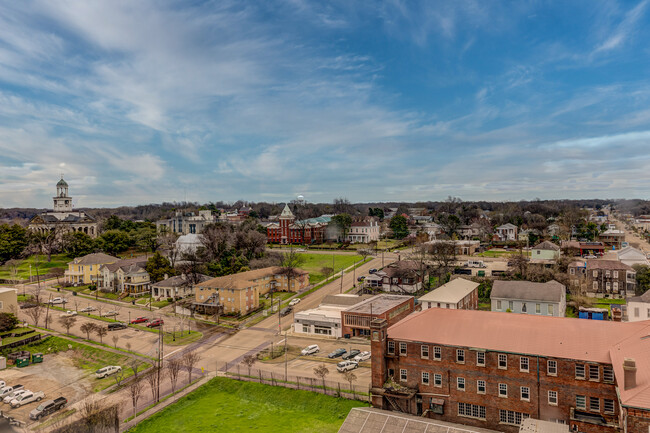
177,339
314,263
58,261
230,405
496,253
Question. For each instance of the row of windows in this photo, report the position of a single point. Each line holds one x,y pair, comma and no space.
524,362
524,307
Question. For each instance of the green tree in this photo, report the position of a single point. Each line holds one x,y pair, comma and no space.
13,240
146,239
77,244
8,322
114,241
158,266
642,278
113,223
399,226
343,221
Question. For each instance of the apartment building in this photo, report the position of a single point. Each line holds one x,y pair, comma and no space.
491,370
603,278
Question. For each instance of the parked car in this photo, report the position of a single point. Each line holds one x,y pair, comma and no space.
286,311
110,313
87,309
107,371
117,325
310,350
361,278
372,271
139,320
363,356
48,407
26,398
155,323
57,301
351,354
6,390
69,313
301,250
346,365
295,301
589,256
337,353
13,395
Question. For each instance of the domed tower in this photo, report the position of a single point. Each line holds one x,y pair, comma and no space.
62,203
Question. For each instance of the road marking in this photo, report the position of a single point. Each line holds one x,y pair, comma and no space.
171,353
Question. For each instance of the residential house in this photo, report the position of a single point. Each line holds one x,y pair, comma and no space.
462,247
9,300
460,294
178,286
526,297
392,308
553,230
401,277
288,230
612,239
632,256
128,276
363,230
603,278
507,232
85,270
494,370
545,252
638,307
240,293
186,222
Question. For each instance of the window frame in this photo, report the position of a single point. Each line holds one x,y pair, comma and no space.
437,353
461,385
404,346
391,347
608,374
478,361
548,367
460,356
503,358
524,360
609,402
553,397
581,402
425,374
403,375
596,376
522,392
424,348
481,384
594,407
503,390
584,372
437,380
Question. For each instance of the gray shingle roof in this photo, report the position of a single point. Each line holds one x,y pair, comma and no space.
546,245
526,290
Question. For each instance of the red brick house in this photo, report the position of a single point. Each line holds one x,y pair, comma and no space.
483,369
393,308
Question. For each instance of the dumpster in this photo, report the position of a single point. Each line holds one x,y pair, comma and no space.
481,273
23,361
36,358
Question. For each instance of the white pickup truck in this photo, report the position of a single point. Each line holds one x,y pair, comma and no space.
26,398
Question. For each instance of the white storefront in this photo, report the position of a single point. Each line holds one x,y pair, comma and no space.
325,320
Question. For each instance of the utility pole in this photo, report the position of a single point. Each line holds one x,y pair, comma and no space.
160,350
341,290
285,356
279,317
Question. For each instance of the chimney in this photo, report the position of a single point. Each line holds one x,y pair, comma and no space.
629,373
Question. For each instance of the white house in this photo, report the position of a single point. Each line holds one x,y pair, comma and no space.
631,256
526,297
638,308
507,232
363,231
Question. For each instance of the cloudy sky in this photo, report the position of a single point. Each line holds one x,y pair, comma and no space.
150,101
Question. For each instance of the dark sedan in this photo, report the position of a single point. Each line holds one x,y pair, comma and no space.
337,353
351,354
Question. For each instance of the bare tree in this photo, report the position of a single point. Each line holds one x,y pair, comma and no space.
350,377
249,360
35,313
443,255
173,369
115,339
101,333
119,376
152,379
327,271
88,327
322,371
135,389
67,322
290,266
419,257
365,253
189,360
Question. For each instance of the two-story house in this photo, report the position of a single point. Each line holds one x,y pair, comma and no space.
507,232
603,278
85,269
128,276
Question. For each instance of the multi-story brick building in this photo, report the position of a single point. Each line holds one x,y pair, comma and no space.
289,231
603,277
492,370
356,319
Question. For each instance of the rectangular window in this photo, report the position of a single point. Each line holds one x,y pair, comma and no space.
538,308
525,393
402,374
523,364
595,274
615,274
552,398
437,379
305,328
437,353
608,406
580,371
608,373
480,386
581,402
480,359
594,373
391,347
615,286
595,285
607,273
550,309
471,410
425,378
424,351
402,349
511,305
460,355
391,373
503,361
511,417
460,383
551,368
499,305
594,404
572,271
503,390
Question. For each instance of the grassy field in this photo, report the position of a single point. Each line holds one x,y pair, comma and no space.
181,340
229,405
496,253
314,263
58,261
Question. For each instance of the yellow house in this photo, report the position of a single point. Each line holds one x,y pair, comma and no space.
8,300
240,293
85,270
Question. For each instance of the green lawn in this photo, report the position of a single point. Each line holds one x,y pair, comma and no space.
230,405
58,261
314,263
495,253
181,340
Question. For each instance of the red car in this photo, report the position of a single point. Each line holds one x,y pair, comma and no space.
155,323
139,320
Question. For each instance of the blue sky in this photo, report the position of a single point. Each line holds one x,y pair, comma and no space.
150,101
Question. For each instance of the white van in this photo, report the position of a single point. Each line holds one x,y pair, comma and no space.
346,365
475,264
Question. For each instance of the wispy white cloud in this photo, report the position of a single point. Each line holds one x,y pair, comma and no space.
623,30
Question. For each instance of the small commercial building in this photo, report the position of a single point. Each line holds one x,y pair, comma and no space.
460,294
393,308
8,300
326,318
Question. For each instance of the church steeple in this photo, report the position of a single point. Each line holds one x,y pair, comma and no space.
62,203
